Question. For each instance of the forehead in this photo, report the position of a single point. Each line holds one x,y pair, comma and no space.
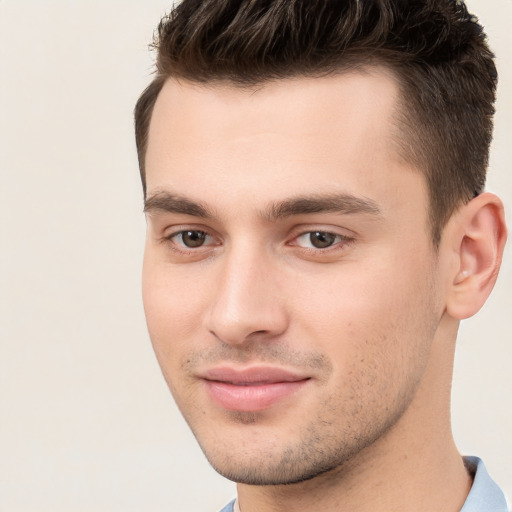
305,108
286,137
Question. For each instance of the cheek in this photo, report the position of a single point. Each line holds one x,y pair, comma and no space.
373,316
171,308
172,318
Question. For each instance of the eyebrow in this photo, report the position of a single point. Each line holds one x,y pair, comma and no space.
173,203
347,204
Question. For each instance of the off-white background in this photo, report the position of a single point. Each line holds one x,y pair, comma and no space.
87,423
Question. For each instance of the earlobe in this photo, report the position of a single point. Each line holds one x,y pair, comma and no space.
478,233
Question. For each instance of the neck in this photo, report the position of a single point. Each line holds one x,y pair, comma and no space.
415,466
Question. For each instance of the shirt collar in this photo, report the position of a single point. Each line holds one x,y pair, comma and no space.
484,495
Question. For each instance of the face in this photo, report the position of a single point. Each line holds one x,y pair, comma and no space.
289,276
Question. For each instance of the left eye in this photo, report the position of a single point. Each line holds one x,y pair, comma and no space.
191,238
319,239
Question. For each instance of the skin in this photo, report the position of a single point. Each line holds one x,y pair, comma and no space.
369,321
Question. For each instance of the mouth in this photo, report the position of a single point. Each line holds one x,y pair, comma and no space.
252,389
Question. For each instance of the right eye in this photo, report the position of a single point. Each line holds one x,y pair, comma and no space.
191,238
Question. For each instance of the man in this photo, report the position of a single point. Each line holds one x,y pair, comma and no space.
313,176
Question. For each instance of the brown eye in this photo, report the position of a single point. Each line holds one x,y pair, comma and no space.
321,239
192,238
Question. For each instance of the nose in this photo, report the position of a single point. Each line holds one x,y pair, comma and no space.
248,301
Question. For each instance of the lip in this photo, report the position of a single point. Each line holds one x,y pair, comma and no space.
251,389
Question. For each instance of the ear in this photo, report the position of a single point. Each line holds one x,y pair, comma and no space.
476,238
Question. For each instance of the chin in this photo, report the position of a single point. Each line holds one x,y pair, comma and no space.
271,465
265,476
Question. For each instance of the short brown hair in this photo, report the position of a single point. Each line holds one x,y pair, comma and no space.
436,49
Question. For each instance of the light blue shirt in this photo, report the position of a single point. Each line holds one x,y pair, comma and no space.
484,496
